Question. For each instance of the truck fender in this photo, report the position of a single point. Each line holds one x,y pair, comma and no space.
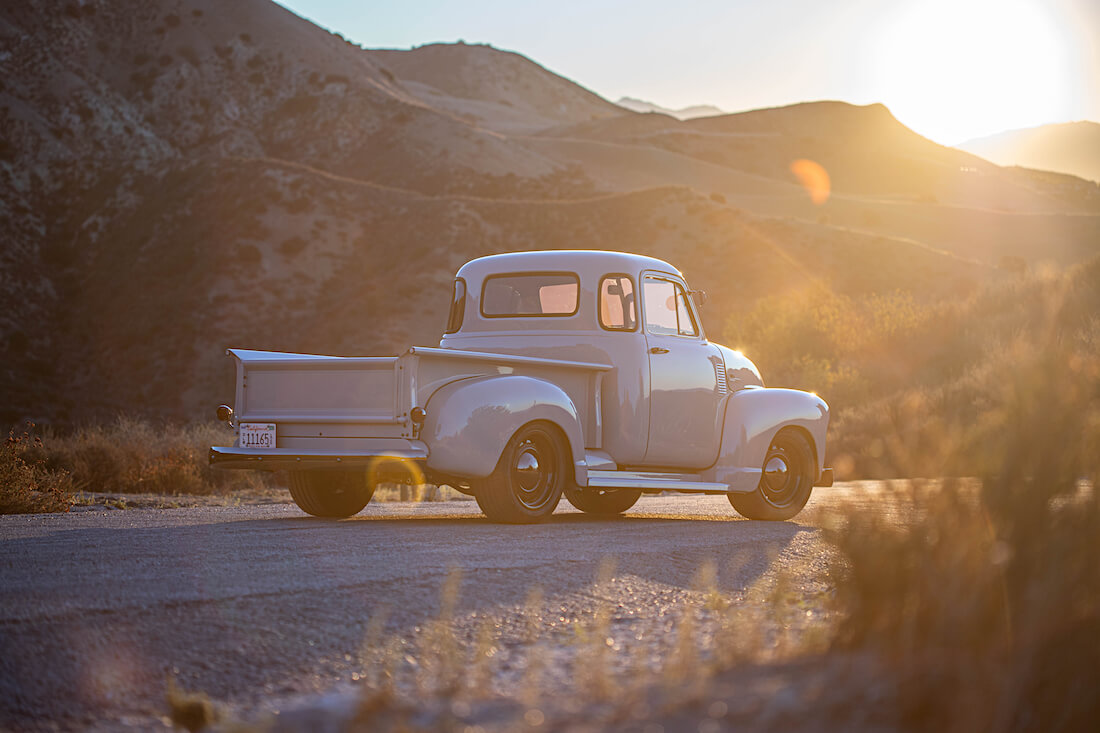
469,422
752,419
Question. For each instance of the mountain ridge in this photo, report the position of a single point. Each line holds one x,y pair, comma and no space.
1068,147
683,113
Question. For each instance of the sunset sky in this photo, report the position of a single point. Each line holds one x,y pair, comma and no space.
950,69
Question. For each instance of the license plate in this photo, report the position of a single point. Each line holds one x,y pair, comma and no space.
257,435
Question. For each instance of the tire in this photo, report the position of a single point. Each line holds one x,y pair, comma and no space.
602,502
527,483
331,494
786,482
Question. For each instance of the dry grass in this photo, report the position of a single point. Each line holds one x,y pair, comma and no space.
985,607
191,711
40,473
141,457
27,485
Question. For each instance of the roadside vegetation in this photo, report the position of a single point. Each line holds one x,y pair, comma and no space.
27,485
927,389
45,471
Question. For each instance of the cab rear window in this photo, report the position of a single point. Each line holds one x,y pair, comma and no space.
530,294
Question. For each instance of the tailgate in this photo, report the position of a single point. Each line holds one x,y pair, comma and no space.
302,388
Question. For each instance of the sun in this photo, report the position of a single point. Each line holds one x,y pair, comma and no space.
957,69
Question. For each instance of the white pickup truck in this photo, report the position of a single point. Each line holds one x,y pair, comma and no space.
583,373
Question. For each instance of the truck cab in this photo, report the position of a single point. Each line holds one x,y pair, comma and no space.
586,374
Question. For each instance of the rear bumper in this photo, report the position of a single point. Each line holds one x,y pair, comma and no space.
826,478
289,459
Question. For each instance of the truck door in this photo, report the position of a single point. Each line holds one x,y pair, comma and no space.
683,382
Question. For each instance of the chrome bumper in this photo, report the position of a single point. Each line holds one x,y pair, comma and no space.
289,459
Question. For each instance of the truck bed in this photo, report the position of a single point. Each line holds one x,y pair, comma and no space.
332,411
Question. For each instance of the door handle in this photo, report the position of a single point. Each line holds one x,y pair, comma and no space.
658,350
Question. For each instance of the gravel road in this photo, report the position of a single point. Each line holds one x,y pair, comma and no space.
260,604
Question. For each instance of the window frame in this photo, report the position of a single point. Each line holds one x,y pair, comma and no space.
675,282
530,273
637,307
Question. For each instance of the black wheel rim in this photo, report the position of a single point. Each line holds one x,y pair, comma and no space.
534,470
782,477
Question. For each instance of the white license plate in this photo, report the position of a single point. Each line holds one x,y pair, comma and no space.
257,435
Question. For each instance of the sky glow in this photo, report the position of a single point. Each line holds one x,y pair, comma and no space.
950,69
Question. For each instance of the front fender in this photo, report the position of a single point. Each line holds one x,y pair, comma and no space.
470,421
753,417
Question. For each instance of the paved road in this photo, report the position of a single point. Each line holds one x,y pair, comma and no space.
261,602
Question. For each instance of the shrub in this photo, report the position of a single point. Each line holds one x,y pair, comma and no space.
136,456
983,602
27,485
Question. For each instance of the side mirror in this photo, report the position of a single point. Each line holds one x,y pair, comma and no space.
699,296
615,289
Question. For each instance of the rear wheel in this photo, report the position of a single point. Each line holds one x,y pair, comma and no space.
605,502
331,494
786,481
527,483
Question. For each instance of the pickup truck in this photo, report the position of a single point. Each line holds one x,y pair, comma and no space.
578,373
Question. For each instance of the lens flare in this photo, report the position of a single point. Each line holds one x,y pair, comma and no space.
395,469
813,178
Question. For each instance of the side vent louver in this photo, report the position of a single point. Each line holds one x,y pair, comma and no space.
720,376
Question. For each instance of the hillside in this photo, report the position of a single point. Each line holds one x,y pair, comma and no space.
1072,147
884,178
188,175
500,90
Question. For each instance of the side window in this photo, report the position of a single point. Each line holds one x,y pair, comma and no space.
660,307
458,307
666,309
618,311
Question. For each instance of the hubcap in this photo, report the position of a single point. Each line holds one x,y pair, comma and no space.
534,472
527,469
776,472
782,477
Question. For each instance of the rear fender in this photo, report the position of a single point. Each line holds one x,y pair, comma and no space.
469,422
753,417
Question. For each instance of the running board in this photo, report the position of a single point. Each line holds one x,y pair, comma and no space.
647,481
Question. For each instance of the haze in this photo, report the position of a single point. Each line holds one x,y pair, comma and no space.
950,69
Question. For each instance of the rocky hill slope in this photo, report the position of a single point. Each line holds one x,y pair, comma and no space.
499,90
181,176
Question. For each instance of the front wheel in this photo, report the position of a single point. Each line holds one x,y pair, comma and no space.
331,494
785,484
605,502
527,483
